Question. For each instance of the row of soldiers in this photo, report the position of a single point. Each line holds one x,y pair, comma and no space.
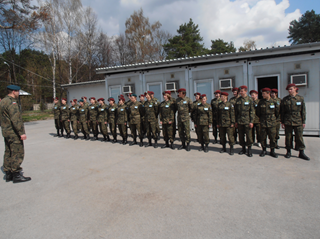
237,116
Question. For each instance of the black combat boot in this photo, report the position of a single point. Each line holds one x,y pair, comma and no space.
303,156
58,134
148,144
183,146
155,143
243,150
76,137
166,145
88,137
97,137
68,135
263,152
231,150
206,148
114,140
288,155
108,138
249,151
215,141
104,138
133,142
84,136
277,146
188,147
158,138
9,176
201,147
273,154
141,142
61,135
124,141
223,150
171,146
18,178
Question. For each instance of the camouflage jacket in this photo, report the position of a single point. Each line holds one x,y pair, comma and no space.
83,113
150,111
293,110
102,114
214,105
226,114
256,119
74,113
194,106
142,103
135,111
203,114
278,100
244,110
86,104
183,106
233,100
93,112
112,116
65,112
10,117
122,114
56,111
166,112
268,112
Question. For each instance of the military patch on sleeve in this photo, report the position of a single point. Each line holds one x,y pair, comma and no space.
14,103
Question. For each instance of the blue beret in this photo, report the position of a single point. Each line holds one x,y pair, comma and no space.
134,95
13,87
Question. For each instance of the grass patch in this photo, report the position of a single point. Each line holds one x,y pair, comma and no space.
28,116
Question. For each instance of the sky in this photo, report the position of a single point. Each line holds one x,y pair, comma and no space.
264,21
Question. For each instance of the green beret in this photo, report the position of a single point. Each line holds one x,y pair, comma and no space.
81,100
134,95
13,87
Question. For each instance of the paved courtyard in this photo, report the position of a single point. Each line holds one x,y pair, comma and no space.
90,189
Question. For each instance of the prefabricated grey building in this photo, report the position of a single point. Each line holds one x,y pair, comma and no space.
270,67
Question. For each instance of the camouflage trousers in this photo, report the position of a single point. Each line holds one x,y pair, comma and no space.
113,129
167,131
196,129
143,127
235,134
223,132
157,127
74,125
123,130
134,128
103,128
151,130
94,126
271,133
203,134
214,129
278,130
65,126
184,131
298,135
84,127
13,154
174,125
256,131
245,131
57,124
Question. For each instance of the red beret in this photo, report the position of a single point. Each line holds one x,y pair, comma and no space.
92,98
70,101
254,91
110,99
64,99
203,95
83,97
266,89
129,94
290,85
142,95
55,98
101,99
182,90
235,89
297,89
195,94
151,92
122,98
224,93
243,87
274,90
166,92
75,100
217,92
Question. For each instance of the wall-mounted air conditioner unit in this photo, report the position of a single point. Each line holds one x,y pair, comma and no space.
171,86
299,79
126,89
225,84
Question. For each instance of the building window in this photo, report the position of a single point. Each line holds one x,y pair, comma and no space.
115,91
204,87
157,89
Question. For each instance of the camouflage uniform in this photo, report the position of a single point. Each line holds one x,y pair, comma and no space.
74,117
203,116
184,106
173,100
83,118
268,112
122,119
193,116
92,118
235,130
214,105
103,120
56,113
226,118
244,113
166,113
293,116
134,115
278,124
256,123
142,123
151,118
157,102
12,129
112,119
65,116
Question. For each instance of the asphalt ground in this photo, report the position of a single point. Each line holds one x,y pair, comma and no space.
91,189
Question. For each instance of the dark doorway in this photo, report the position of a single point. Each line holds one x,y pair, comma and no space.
269,81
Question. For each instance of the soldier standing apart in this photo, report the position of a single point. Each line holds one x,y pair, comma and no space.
83,119
56,113
184,107
203,117
134,114
268,111
112,119
293,118
74,118
92,117
13,133
274,95
214,105
122,120
256,122
193,117
103,119
166,113
142,126
226,122
235,92
150,117
65,117
244,113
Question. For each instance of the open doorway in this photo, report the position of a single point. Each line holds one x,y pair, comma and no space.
271,82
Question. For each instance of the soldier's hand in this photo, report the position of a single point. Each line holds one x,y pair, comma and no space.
218,126
251,125
125,123
304,125
282,125
170,122
160,122
23,137
195,125
209,125
236,125
68,120
105,122
231,126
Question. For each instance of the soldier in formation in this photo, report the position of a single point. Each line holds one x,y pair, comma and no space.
74,117
103,119
65,117
235,92
150,113
122,119
92,117
256,122
193,118
56,115
134,110
112,118
83,119
214,105
274,95
167,113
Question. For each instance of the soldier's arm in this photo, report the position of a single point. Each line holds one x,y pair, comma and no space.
258,109
277,113
232,114
16,119
303,111
282,112
190,106
252,111
210,115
